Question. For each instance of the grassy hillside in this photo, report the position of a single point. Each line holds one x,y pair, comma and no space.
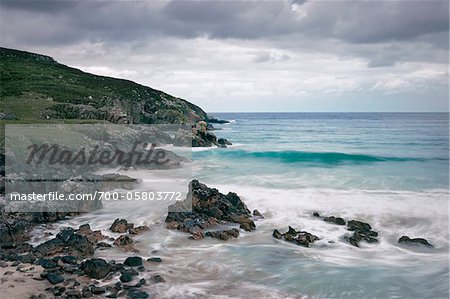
35,88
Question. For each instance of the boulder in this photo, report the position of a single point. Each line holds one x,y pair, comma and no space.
96,268
133,261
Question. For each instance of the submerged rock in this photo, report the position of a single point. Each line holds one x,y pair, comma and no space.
209,208
415,241
335,220
301,238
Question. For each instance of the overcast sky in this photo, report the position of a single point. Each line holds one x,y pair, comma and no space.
251,56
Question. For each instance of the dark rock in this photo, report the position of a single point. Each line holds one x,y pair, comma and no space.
118,286
154,260
27,258
48,263
141,282
223,142
362,232
103,245
414,241
73,294
198,235
137,294
276,234
54,278
141,269
87,294
257,213
65,234
224,234
316,214
96,268
121,226
138,230
358,226
57,290
98,290
335,220
49,248
133,261
126,276
158,278
297,237
209,207
69,259
93,236
80,245
123,240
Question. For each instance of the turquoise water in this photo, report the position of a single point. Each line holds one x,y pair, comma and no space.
341,150
390,170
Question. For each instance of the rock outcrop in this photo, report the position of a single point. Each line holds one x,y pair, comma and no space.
362,232
301,238
209,208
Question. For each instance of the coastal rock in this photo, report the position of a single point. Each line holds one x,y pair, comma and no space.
209,207
256,213
223,234
414,241
121,226
362,232
136,294
138,230
96,268
335,220
92,236
126,276
123,240
133,261
154,260
301,238
54,278
66,242
222,142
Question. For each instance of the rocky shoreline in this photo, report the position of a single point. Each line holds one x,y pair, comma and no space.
65,266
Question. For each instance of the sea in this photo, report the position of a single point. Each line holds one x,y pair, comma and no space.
390,170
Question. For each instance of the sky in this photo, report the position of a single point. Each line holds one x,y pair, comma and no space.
253,56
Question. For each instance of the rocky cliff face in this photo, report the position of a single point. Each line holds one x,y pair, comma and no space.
37,88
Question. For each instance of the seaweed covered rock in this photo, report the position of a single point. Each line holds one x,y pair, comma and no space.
209,208
301,238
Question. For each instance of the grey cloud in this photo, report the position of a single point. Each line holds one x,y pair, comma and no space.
350,21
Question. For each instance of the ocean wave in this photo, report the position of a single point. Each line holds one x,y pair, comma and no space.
313,157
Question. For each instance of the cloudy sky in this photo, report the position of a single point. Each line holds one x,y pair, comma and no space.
285,55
